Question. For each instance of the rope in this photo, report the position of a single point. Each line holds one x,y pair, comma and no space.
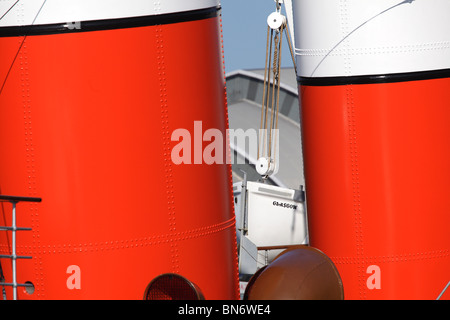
275,80
278,96
268,134
264,89
288,36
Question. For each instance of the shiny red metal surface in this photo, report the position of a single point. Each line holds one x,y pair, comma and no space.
85,123
377,179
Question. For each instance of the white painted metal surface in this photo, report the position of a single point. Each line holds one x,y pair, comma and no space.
367,37
35,12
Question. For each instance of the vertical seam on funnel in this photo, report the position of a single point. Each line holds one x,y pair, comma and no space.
30,161
166,142
353,147
228,153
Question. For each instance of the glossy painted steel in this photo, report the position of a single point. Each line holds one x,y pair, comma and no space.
86,121
365,37
377,179
297,273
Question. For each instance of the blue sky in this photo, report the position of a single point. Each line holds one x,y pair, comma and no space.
245,33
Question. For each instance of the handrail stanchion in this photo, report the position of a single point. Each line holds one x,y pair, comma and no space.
13,228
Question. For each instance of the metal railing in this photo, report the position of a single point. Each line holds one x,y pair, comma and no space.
445,289
13,256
